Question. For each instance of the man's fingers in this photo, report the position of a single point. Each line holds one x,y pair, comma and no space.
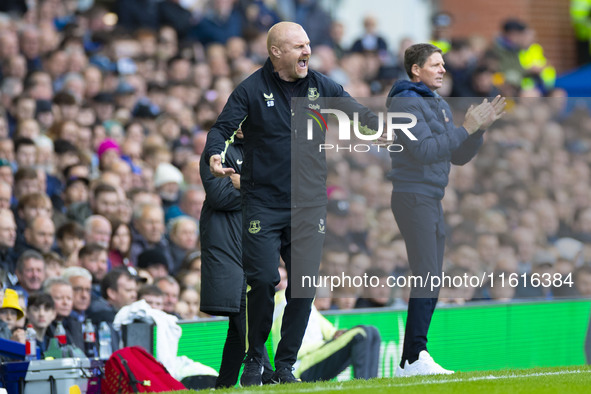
222,172
216,168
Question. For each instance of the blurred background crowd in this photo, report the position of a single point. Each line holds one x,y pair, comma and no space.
104,112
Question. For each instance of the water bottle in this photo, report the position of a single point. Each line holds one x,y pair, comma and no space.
31,343
60,334
104,341
89,339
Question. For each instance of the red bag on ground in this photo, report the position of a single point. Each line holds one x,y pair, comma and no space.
133,370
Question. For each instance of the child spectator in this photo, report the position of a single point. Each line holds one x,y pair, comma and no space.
10,313
41,313
190,297
153,296
70,239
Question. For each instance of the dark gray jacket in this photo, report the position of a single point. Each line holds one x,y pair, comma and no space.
423,166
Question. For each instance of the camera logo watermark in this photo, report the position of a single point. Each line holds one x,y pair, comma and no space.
361,132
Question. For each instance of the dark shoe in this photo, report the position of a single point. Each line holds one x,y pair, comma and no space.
252,373
283,375
267,376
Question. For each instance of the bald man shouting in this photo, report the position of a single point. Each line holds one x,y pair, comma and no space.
283,189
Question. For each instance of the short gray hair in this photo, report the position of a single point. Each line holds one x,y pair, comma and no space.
27,255
49,283
72,272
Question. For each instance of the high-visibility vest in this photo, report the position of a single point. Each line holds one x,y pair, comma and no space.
580,13
534,57
445,46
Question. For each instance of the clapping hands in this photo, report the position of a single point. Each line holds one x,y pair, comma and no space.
484,114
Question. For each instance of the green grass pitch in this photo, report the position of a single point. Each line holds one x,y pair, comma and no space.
576,379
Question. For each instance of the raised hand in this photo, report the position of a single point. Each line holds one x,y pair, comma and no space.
498,110
216,168
477,116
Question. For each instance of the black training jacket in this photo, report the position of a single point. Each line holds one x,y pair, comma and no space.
272,170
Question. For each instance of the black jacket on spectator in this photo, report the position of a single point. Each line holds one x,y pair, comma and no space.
15,7
172,14
135,14
220,229
73,331
178,255
7,266
100,310
139,244
79,212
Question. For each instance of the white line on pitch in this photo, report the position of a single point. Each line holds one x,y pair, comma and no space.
368,385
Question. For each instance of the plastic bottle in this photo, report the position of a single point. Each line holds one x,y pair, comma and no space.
60,334
89,339
105,349
31,343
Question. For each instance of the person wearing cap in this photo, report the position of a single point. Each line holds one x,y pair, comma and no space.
124,95
44,114
104,106
153,261
420,173
11,311
75,191
337,226
167,181
108,152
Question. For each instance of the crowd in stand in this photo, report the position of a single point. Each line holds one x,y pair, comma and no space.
103,121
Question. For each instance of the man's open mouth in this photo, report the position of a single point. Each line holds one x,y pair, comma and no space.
303,62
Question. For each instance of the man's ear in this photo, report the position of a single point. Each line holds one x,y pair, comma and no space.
415,70
276,51
110,294
27,234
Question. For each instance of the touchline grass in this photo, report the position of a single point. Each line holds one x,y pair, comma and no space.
575,379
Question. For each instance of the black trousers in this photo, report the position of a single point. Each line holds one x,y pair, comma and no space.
233,353
359,347
295,235
421,223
